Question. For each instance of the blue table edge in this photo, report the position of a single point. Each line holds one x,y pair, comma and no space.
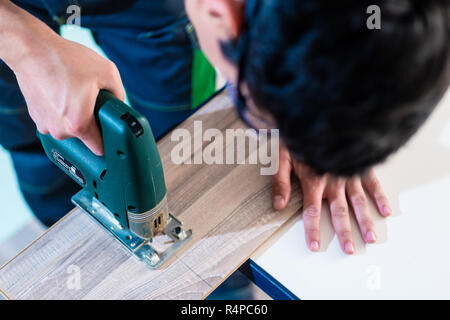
261,278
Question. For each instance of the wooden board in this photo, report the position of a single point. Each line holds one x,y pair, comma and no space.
228,207
2,297
21,239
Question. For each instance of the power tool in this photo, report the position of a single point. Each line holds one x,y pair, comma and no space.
124,190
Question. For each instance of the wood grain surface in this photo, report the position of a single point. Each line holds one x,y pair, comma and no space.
2,297
21,239
227,206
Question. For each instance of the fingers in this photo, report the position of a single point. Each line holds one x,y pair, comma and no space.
79,121
313,188
42,130
112,81
281,182
92,138
373,187
340,215
357,198
311,219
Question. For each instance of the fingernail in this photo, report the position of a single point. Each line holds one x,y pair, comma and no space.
386,210
371,236
314,246
349,248
278,202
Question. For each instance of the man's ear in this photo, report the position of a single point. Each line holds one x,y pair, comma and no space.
227,15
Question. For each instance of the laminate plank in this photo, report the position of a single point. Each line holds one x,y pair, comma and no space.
22,238
3,297
228,207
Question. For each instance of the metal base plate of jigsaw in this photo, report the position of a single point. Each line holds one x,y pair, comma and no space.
139,247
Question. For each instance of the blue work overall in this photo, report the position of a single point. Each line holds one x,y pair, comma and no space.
152,44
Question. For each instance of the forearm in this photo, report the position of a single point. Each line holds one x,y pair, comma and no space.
21,35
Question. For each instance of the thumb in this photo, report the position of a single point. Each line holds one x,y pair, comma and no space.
281,182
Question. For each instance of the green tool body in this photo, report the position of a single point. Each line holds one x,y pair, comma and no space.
124,190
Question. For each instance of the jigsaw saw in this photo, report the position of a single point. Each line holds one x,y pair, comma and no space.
124,190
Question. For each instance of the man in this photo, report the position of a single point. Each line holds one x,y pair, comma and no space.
148,40
344,96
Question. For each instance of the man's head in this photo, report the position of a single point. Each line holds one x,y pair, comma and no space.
343,96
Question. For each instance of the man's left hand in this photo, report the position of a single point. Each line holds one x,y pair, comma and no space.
341,193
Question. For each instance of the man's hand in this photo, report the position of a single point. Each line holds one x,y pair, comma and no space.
340,193
59,79
61,87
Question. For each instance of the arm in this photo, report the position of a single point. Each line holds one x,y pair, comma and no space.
20,33
59,79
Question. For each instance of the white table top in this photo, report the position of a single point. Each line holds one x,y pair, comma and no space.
412,256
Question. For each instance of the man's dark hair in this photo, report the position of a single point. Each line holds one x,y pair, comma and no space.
345,96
